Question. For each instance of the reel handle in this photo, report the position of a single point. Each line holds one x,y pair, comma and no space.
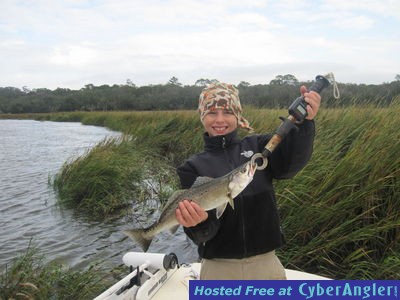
319,84
297,114
298,109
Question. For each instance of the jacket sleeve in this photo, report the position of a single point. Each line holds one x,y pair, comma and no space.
293,153
208,229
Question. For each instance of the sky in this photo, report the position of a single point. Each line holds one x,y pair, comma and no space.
71,43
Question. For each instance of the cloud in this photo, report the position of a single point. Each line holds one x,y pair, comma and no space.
73,43
74,56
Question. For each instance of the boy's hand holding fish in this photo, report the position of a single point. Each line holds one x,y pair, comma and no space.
190,214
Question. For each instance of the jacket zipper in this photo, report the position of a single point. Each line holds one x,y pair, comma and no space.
223,147
243,226
232,166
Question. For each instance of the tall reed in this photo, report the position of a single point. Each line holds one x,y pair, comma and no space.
349,194
102,181
28,277
340,214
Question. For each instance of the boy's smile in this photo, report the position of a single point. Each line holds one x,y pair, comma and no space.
220,122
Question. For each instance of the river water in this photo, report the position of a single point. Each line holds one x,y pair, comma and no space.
31,153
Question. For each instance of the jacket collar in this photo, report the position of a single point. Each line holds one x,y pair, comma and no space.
220,142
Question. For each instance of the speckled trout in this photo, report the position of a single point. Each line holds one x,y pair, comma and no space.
208,193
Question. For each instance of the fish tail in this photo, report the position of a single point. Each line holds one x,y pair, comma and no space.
138,235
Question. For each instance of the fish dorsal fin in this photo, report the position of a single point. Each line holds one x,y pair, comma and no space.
221,209
201,180
173,198
177,193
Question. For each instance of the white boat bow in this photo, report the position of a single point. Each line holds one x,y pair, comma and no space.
160,277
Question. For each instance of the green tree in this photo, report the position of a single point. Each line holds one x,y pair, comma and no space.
277,81
287,79
243,84
130,83
174,81
202,82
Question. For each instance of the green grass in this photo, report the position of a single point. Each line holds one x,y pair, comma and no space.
104,182
28,277
349,194
101,181
349,191
341,214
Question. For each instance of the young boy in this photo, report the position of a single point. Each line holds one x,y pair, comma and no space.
241,243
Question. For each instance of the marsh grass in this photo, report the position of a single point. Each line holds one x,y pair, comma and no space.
28,277
340,214
105,181
101,181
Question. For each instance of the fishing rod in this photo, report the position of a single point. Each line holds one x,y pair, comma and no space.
297,114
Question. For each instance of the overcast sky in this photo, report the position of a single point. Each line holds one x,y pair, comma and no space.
71,43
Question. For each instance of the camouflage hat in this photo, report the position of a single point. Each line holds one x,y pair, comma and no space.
222,96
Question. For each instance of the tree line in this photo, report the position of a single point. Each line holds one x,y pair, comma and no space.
278,93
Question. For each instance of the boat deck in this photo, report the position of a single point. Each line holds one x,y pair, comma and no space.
177,286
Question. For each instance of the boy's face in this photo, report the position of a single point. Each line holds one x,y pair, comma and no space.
220,122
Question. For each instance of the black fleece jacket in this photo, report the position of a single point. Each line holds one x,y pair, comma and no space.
253,227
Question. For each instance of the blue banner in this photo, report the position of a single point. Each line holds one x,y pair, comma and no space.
294,289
